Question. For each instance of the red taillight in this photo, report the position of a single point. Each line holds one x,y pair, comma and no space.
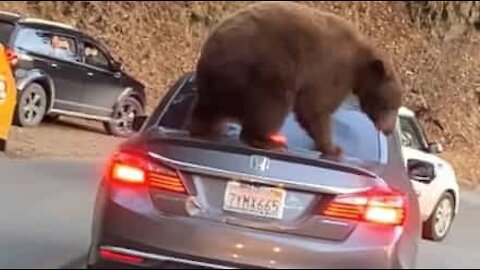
133,169
128,174
279,138
378,206
109,255
11,57
166,180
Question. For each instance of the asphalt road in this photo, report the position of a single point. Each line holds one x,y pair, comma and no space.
46,208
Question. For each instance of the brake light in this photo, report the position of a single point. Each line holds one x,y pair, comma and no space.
109,255
12,57
128,174
377,206
134,169
166,179
278,138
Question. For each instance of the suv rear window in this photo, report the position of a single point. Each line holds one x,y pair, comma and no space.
6,30
48,44
353,130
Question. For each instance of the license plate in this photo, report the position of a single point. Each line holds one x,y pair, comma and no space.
256,201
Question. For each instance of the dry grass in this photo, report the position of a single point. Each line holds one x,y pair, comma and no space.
157,41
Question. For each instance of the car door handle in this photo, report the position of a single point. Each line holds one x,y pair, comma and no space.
90,74
54,65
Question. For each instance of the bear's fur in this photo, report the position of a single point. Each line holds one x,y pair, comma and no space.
273,57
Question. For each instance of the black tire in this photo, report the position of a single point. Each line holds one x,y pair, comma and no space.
435,228
31,106
3,145
51,118
123,116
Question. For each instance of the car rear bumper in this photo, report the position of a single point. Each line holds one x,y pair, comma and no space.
134,226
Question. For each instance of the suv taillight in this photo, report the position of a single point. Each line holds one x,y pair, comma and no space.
377,206
136,170
12,57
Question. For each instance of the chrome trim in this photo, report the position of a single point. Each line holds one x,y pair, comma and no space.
261,179
84,105
260,163
334,222
48,23
156,257
10,14
81,115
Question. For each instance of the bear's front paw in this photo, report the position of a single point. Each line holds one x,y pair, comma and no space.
335,153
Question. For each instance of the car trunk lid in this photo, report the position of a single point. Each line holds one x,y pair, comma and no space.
281,192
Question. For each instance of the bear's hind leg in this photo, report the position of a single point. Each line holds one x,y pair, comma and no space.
261,124
205,122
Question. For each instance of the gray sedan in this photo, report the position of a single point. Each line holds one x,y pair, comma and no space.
169,200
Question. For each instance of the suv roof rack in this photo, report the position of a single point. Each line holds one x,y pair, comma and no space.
12,14
48,22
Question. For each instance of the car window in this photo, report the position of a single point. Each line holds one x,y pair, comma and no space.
49,44
410,134
176,116
6,30
352,129
95,57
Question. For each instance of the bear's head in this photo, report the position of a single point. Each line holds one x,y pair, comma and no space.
380,94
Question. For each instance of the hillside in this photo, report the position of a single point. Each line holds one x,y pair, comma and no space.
433,43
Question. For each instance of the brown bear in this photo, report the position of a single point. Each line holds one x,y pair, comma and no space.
273,57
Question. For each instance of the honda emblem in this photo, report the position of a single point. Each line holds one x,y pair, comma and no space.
259,163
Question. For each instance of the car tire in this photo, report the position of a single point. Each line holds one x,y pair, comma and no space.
51,118
124,113
3,145
437,227
31,106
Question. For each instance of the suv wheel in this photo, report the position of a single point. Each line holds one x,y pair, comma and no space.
123,115
31,107
436,228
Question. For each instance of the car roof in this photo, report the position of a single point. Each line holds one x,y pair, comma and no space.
50,26
40,24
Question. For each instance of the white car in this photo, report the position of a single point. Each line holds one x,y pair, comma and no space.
433,178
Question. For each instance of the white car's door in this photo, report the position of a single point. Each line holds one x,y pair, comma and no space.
433,178
428,192
414,145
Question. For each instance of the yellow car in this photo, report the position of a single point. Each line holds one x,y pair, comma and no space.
7,97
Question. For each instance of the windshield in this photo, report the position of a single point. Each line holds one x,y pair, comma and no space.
352,129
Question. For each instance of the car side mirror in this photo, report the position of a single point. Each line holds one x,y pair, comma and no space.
435,148
421,171
138,122
116,66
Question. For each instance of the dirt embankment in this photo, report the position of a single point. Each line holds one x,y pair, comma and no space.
434,44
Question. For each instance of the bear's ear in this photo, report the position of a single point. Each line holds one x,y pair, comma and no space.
377,66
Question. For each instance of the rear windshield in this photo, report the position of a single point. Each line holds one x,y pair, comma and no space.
353,130
5,32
